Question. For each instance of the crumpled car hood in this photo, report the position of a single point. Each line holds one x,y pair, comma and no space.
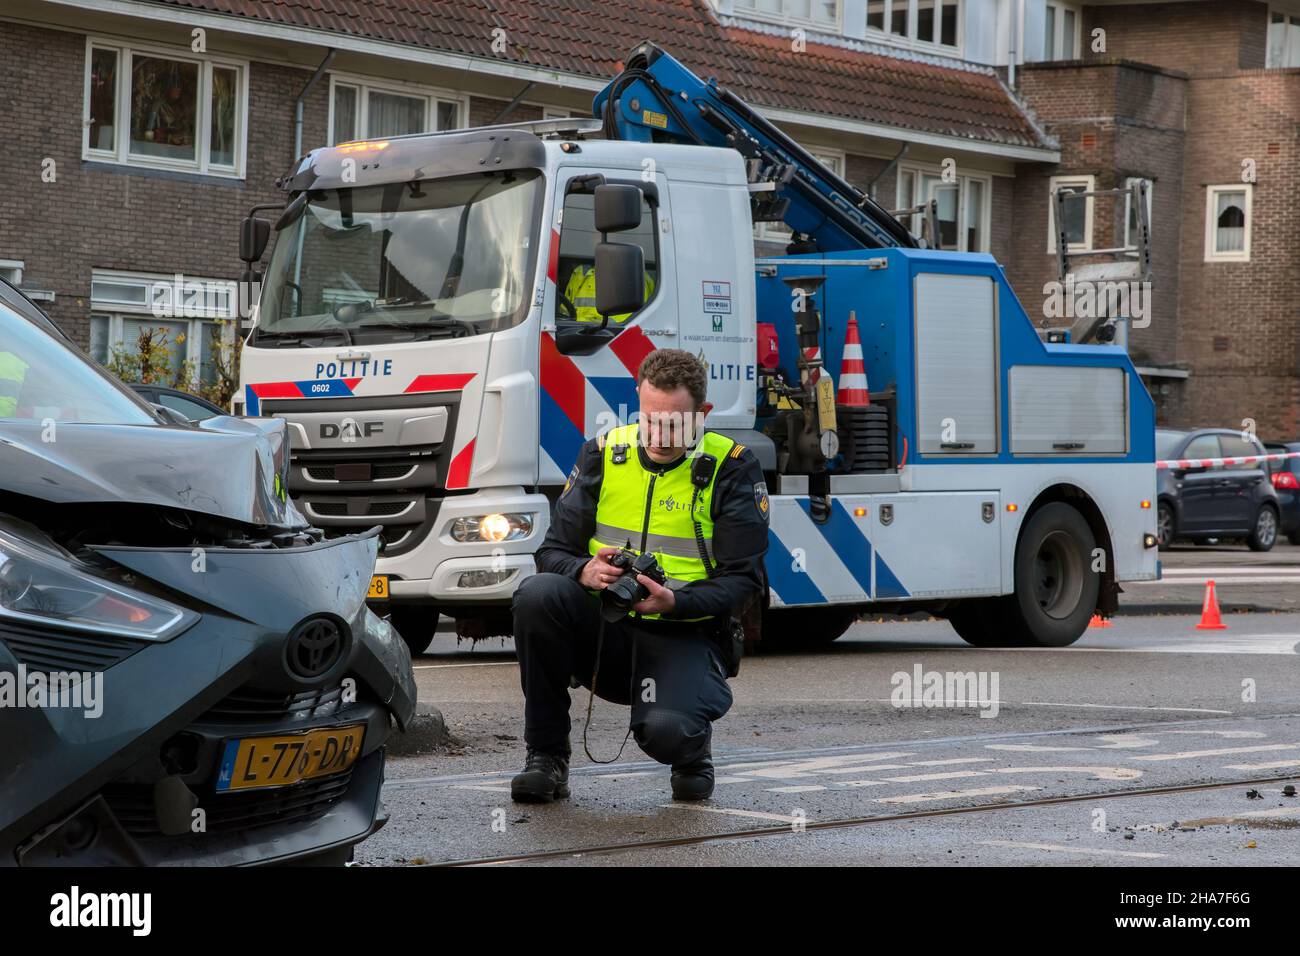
227,467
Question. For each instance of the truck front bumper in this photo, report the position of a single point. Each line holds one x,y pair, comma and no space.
442,569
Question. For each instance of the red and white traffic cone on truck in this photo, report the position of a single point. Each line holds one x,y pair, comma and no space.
853,370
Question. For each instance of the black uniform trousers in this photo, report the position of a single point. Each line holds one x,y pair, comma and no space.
671,672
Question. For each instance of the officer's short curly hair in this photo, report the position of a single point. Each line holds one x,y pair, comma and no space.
669,369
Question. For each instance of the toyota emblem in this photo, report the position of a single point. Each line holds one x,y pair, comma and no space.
314,647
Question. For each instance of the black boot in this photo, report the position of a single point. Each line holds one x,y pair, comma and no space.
545,777
693,781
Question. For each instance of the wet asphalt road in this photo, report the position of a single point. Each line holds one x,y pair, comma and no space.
820,736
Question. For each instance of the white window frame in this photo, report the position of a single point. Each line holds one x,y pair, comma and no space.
1058,38
365,85
780,232
751,13
1290,43
118,312
121,154
1130,241
911,40
920,169
1212,225
1089,184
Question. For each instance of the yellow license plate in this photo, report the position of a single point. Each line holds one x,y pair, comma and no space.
378,587
248,763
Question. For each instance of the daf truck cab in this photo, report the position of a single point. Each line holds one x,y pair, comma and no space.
413,331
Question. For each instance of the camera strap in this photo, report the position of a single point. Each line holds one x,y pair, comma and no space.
591,696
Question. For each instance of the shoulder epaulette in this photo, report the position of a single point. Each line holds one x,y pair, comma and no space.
735,452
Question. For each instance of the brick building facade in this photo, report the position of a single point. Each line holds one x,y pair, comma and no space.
1183,92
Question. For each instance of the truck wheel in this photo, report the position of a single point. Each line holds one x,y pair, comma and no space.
416,623
1265,534
1056,589
802,627
979,622
1165,525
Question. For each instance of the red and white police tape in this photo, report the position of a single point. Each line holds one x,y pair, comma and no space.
1181,463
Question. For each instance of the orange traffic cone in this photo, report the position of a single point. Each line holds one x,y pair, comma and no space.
853,373
1210,620
1099,621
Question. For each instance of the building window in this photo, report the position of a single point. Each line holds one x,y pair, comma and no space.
1130,211
180,322
1061,33
933,22
1227,223
361,110
778,232
962,216
151,107
1283,40
818,13
1078,213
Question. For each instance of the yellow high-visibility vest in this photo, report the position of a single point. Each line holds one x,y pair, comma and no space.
581,291
654,511
12,372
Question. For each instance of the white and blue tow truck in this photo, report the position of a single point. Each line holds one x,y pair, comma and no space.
415,332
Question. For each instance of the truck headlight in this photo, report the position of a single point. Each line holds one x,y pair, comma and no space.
41,587
492,528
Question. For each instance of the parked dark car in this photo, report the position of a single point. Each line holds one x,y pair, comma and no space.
1228,501
189,671
1285,476
194,409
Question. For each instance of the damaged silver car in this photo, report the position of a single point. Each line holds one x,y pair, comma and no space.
189,673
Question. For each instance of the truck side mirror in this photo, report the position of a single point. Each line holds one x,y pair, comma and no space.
618,208
254,234
620,277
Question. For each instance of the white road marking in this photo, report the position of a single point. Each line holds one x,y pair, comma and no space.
1229,569
1228,644
947,775
804,789
950,760
1191,754
1126,741
793,769
1180,710
1033,748
1271,765
955,794
1219,733
1219,586
434,667
753,814
1054,848
1099,773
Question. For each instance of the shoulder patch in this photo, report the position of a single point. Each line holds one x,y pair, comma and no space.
600,441
573,474
760,499
735,452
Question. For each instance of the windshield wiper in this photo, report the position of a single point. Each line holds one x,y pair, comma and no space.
298,338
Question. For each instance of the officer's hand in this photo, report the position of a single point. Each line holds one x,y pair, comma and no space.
661,599
598,573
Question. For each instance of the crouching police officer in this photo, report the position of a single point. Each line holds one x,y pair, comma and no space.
696,501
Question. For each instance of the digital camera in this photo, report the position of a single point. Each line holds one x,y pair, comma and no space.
617,599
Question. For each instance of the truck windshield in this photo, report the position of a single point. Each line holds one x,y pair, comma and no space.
425,259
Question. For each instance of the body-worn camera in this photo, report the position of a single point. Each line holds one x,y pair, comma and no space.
617,599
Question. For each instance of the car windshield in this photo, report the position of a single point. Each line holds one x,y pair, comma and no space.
1167,443
43,380
432,258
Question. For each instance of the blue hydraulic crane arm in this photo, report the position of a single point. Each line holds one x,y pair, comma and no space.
656,99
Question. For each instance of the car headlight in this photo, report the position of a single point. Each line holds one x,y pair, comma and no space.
493,527
40,587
